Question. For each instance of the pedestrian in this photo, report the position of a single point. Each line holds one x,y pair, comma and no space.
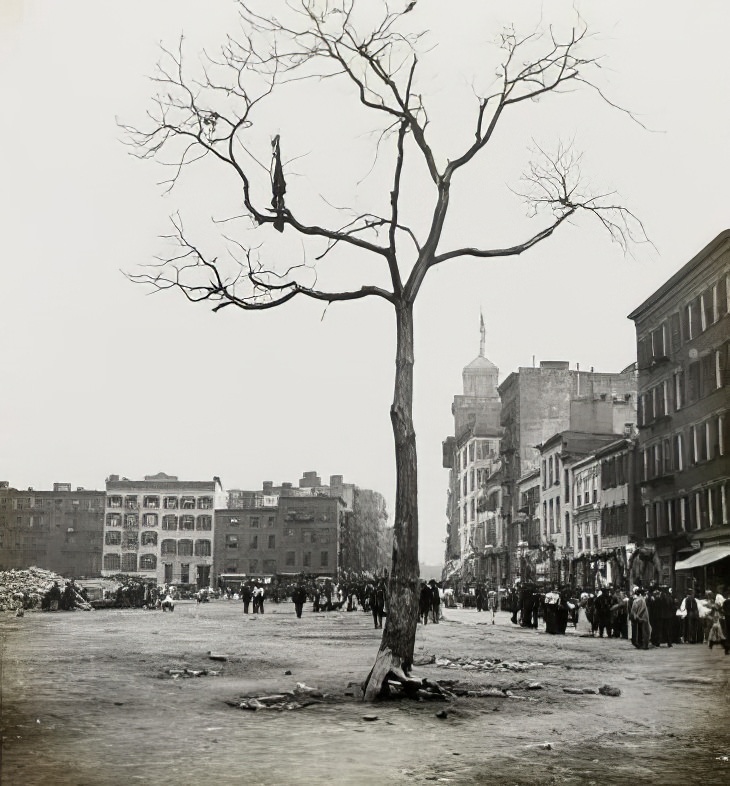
692,630
246,595
602,613
377,603
299,596
435,601
492,603
640,621
716,634
424,603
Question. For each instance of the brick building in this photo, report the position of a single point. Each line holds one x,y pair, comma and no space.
683,349
59,530
161,528
300,535
538,403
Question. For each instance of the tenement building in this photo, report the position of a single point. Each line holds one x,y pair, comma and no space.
161,528
59,530
683,346
537,404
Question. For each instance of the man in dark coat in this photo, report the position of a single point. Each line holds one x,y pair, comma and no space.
246,595
602,613
424,603
692,629
377,603
299,596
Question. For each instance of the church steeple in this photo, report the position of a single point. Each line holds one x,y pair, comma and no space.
483,335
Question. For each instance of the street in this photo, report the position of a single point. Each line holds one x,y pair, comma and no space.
88,699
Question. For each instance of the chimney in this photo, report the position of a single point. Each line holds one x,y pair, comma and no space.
268,487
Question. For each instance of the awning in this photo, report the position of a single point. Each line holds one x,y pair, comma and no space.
704,557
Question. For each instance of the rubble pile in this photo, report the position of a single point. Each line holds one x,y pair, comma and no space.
495,666
32,589
301,696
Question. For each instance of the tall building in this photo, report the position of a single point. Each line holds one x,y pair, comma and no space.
538,403
683,349
59,530
472,456
161,528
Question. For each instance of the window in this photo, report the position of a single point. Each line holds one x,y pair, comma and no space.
170,503
149,538
169,522
205,503
307,561
130,521
678,385
253,566
148,561
324,557
113,538
269,566
187,522
151,501
231,565
130,503
231,541
271,521
290,558
185,573
112,561
254,543
471,452
114,501
129,562
289,532
114,519
204,523
550,471
149,520
187,503
233,522
272,542
544,473
202,548
168,547
254,522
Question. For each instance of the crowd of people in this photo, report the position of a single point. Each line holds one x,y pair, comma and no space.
649,617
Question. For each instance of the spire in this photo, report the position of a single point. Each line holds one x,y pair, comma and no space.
483,334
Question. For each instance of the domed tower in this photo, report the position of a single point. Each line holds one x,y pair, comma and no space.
480,397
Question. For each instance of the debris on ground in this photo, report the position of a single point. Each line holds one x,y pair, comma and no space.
369,717
302,696
217,656
178,673
36,589
442,714
496,666
609,690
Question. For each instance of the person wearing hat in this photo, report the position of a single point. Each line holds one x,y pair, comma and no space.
640,619
435,601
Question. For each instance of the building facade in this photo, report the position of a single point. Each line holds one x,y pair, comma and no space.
683,350
538,403
472,456
161,528
59,530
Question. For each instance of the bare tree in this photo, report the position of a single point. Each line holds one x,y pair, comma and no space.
217,116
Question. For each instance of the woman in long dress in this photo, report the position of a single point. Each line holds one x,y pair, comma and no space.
584,626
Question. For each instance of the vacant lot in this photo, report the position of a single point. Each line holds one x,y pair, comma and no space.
87,698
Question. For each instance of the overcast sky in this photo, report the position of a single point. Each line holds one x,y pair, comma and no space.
99,377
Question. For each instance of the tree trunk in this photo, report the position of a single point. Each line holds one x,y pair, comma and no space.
395,655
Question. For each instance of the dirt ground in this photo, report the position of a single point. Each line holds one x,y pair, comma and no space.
87,700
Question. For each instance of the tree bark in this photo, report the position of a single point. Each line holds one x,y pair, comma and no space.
395,655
